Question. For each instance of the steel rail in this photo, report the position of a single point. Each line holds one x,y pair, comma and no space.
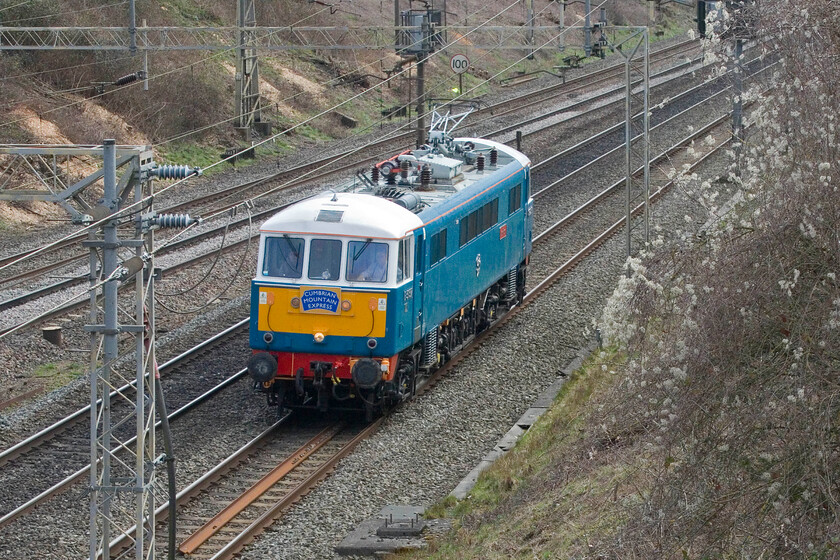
237,506
206,480
567,266
543,285
40,271
586,80
268,518
597,97
542,192
190,545
53,430
598,198
611,231
564,89
515,103
620,126
65,483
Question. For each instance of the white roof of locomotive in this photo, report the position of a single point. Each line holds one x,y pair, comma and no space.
391,220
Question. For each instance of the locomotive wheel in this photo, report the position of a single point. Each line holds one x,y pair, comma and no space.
412,383
481,321
520,284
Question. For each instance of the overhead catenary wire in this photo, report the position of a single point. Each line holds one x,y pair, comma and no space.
59,14
250,227
224,290
250,201
324,112
100,222
439,82
151,78
177,183
294,96
212,265
63,68
77,89
14,6
461,95
206,127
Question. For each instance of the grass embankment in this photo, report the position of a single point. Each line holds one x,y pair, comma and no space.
546,496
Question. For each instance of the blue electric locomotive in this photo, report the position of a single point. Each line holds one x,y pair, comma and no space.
361,292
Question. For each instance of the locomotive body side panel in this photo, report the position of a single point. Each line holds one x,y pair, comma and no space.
467,271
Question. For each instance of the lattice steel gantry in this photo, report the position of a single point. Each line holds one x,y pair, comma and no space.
122,474
248,107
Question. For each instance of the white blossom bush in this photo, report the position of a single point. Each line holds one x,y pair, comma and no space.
731,387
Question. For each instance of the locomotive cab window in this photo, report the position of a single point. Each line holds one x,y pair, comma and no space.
324,259
367,261
404,260
283,257
515,201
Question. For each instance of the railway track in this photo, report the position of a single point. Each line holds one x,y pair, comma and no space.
568,265
66,444
230,542
52,432
581,147
266,478
260,504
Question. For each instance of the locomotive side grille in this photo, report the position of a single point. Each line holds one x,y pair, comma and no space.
430,345
511,283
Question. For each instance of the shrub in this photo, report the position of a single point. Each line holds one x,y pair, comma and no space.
735,338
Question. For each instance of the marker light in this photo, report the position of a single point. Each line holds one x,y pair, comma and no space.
346,305
295,302
319,337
